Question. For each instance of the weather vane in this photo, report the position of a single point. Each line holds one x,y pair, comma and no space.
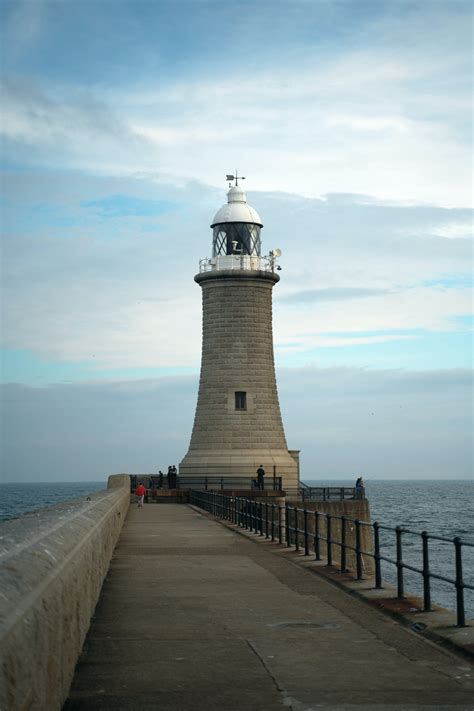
234,177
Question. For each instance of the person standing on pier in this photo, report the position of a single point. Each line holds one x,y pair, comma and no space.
359,488
140,492
261,477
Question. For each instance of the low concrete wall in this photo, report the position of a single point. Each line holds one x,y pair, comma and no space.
357,509
52,566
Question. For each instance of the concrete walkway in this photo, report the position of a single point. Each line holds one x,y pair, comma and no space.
194,616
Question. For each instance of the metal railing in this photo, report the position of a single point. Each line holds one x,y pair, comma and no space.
246,262
207,483
326,493
282,524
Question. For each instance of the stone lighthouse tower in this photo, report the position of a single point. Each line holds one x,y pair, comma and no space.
238,425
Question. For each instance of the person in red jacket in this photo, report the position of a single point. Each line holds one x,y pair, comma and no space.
140,491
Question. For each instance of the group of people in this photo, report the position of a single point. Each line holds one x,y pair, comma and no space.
172,477
171,480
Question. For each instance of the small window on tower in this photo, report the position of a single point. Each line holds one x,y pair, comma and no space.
240,400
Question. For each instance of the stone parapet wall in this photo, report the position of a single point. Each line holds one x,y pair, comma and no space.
52,566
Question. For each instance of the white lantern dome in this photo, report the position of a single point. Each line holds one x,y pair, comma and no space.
236,209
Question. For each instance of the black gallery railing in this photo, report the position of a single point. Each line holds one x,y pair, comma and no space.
207,483
313,532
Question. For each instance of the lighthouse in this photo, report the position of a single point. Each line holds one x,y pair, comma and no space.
237,424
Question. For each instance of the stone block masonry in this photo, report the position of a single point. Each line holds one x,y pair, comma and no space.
237,356
52,566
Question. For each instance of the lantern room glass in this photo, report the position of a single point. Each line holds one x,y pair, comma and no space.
236,238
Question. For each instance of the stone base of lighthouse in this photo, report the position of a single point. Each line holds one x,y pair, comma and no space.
243,463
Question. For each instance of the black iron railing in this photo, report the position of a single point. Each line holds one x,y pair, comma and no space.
326,493
312,532
205,483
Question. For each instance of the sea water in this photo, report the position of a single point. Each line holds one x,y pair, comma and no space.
18,499
442,508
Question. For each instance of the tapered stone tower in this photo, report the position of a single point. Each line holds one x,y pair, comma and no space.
238,425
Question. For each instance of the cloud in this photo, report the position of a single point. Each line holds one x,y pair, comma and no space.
389,424
382,118
99,270
333,294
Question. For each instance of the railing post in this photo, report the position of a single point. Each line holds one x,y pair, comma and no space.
280,530
287,525
328,539
426,573
317,537
358,550
260,513
400,590
343,544
273,522
378,567
266,519
305,520
461,619
295,521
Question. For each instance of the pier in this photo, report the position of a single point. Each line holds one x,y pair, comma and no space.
193,615
110,606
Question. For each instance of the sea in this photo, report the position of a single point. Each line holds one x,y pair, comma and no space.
443,508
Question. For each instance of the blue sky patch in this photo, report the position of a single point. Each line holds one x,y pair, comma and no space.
126,206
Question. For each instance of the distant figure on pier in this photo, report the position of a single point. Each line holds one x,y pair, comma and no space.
171,476
160,479
261,477
359,488
140,491
174,473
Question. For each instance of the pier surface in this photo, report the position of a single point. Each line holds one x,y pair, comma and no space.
193,615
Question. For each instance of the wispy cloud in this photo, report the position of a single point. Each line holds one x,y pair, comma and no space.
384,119
331,294
99,271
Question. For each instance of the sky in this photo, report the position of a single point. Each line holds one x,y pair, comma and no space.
352,123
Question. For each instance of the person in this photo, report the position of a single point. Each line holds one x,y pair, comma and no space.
169,477
359,488
260,477
140,491
175,476
160,479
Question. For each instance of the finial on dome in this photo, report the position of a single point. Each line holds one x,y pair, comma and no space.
235,177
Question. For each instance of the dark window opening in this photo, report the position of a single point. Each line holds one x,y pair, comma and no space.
240,400
236,238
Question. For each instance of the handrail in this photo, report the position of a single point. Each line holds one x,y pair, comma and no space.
208,483
264,518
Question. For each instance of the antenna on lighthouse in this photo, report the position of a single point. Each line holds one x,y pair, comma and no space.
234,177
